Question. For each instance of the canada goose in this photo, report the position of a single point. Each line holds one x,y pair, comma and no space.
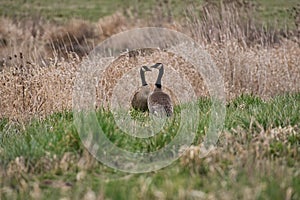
159,103
139,100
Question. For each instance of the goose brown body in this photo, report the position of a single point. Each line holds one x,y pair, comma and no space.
159,102
139,100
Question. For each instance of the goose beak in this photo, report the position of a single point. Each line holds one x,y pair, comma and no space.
157,65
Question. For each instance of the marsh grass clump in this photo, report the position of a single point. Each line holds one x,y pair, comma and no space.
77,36
29,90
219,21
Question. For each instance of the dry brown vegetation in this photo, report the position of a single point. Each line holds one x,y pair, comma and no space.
40,58
256,156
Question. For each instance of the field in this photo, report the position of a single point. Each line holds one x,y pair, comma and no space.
255,46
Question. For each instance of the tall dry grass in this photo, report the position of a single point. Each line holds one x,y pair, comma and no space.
40,58
27,89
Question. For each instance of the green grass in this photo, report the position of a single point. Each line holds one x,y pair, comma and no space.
59,10
282,110
270,11
41,158
277,12
88,10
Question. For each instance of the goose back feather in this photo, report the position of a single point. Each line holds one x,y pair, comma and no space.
159,102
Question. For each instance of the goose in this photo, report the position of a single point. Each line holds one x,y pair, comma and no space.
159,102
139,100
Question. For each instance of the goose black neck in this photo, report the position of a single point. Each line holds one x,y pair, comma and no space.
142,72
160,75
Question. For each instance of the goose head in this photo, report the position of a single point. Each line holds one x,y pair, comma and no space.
158,66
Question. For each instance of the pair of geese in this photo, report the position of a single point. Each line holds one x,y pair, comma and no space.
157,102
